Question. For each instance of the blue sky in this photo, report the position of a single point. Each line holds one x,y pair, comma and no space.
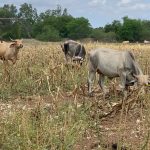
99,12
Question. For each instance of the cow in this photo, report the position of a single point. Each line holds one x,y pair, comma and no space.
146,42
114,63
9,51
74,50
125,42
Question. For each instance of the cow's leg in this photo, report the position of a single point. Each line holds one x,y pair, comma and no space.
123,84
102,85
91,78
67,59
6,72
14,60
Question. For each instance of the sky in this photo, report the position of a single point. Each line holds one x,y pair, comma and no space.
99,12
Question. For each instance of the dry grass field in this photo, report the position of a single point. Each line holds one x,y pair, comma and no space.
45,105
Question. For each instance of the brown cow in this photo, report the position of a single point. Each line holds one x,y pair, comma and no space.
9,51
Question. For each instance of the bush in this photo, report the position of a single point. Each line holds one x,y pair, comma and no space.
48,34
100,35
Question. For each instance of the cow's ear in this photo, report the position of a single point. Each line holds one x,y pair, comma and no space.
12,45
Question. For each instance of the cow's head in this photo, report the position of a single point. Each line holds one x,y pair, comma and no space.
17,44
143,79
78,59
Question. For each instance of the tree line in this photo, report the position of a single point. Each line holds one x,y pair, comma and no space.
57,24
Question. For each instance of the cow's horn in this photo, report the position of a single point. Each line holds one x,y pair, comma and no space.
11,39
134,75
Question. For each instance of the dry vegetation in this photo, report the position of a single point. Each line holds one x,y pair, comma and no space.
45,104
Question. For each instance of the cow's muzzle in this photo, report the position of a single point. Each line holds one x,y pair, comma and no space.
131,83
21,46
77,58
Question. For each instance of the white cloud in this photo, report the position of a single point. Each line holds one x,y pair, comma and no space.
133,5
125,1
140,6
97,2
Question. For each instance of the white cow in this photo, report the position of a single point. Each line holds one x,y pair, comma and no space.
146,42
114,63
125,42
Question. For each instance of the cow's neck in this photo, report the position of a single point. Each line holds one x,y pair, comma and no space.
16,50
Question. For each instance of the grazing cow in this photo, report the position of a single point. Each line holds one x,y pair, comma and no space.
114,63
74,50
125,42
146,42
9,52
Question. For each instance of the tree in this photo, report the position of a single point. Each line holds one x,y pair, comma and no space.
28,16
131,30
48,33
65,12
100,35
7,24
145,30
79,28
108,28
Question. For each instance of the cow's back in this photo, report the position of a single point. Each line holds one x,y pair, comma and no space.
3,48
73,48
109,61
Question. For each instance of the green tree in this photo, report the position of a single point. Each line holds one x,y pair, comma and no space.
8,12
65,12
113,27
100,35
48,33
79,28
131,30
145,30
28,16
58,20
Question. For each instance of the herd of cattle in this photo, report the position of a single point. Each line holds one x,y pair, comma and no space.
122,64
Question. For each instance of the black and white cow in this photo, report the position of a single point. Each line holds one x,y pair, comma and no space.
74,50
